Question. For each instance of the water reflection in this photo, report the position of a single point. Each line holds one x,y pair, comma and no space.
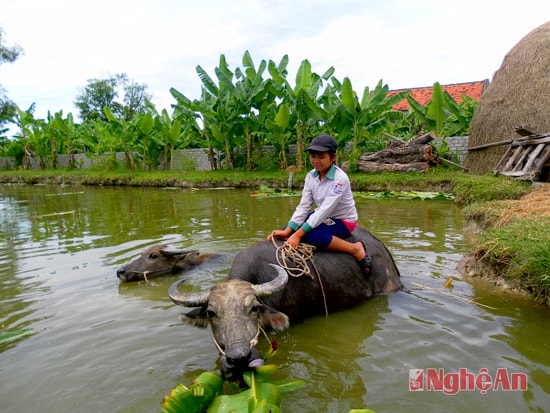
102,346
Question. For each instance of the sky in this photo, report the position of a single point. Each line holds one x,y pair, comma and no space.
404,43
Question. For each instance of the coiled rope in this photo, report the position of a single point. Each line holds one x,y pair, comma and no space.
299,257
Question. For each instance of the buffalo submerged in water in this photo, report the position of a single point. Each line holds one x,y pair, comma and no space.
159,260
258,294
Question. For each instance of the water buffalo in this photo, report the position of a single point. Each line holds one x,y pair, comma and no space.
159,260
259,294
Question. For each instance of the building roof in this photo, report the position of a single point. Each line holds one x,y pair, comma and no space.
423,95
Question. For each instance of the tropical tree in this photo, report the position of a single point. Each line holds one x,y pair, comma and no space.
198,113
367,116
222,115
460,117
101,93
300,99
61,133
7,55
442,114
32,134
103,137
252,96
123,132
135,99
148,139
278,128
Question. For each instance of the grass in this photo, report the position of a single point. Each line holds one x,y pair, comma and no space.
515,236
466,188
516,240
521,249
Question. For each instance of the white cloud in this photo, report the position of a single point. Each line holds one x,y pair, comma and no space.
404,42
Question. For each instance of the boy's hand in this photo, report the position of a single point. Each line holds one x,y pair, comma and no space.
279,234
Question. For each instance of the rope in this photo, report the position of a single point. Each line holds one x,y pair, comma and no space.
299,257
253,342
146,273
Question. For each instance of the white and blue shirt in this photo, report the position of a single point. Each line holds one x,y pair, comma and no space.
332,196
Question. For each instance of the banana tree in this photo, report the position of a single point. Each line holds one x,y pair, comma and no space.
279,131
103,138
371,113
148,137
436,109
124,133
170,132
32,133
222,116
63,136
300,98
461,114
442,114
198,114
253,95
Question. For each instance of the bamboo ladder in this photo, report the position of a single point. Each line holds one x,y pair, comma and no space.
525,157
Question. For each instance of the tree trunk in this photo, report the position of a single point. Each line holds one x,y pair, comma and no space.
423,167
413,156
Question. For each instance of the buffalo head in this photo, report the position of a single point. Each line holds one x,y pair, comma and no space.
236,315
156,261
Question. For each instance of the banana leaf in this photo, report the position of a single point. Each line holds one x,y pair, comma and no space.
204,395
195,399
266,398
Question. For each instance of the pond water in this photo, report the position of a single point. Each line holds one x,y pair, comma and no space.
83,342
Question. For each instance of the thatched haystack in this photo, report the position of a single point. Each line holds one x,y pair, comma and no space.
517,96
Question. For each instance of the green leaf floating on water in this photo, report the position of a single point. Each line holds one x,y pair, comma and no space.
15,335
267,399
194,399
266,192
405,195
204,395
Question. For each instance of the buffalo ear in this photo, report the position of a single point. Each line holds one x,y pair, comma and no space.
196,317
181,254
271,318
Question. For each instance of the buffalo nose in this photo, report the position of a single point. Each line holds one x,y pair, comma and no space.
238,356
121,274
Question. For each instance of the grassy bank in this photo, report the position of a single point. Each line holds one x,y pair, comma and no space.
514,242
513,245
466,188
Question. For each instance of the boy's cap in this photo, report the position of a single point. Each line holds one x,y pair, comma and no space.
323,143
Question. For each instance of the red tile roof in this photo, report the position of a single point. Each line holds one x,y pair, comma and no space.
423,95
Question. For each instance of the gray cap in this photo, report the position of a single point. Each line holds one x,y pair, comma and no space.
323,143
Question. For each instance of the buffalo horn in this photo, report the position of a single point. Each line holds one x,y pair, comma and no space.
186,300
170,253
277,284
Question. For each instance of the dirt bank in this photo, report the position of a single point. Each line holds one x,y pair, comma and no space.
497,214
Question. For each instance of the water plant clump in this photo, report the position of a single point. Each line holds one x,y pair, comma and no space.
206,392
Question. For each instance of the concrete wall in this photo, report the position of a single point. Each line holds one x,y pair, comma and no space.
197,159
458,146
7,163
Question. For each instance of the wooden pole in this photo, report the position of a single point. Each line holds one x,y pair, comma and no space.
489,145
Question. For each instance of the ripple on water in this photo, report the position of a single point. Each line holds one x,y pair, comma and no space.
102,346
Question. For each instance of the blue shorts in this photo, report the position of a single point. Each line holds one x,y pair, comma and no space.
321,236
